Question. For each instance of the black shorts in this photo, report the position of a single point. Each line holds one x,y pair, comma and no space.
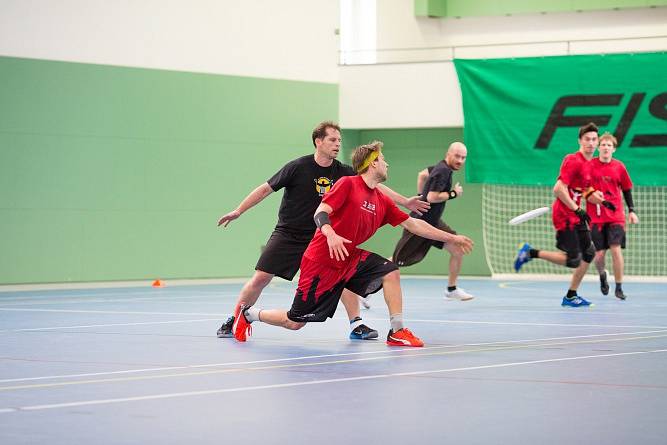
320,286
282,254
574,242
412,248
608,234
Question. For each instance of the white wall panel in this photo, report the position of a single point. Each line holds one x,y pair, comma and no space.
418,95
292,39
401,93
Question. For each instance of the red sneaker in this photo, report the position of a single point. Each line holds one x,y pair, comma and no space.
241,327
403,337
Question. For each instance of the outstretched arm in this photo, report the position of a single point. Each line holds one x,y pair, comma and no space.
254,198
419,227
414,204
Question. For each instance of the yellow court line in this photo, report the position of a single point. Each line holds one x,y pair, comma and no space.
331,362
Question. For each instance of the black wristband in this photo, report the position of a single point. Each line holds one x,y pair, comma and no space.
452,194
321,219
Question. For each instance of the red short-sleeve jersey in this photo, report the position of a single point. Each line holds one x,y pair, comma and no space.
358,212
611,178
575,172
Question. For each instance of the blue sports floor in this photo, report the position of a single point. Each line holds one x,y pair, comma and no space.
140,365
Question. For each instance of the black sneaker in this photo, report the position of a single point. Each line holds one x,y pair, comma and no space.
363,332
604,284
619,294
225,330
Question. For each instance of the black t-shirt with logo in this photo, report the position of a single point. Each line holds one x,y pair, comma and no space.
305,182
439,180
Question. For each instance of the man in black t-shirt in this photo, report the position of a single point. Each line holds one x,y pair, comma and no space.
436,189
305,180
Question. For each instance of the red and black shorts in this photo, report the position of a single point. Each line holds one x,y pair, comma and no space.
412,248
282,254
608,234
320,285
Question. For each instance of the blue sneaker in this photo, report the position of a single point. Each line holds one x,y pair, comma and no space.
522,257
577,301
363,332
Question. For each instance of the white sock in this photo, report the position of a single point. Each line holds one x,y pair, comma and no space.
396,321
355,322
252,314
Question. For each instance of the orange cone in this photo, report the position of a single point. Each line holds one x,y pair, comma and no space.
158,283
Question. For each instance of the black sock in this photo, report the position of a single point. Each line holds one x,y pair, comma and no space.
533,253
451,288
619,286
571,294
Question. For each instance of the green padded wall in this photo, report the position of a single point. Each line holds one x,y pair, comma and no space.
408,151
111,173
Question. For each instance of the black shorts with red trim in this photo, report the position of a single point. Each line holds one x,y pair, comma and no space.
608,234
412,248
283,252
320,285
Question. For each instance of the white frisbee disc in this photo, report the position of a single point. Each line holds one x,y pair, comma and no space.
528,216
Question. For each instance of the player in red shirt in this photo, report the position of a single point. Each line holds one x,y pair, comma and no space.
607,225
349,215
573,236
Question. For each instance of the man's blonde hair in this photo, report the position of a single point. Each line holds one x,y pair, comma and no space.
611,137
361,158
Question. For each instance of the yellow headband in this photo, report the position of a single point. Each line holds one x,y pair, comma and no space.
371,157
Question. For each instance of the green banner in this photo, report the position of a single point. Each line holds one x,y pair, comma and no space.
522,115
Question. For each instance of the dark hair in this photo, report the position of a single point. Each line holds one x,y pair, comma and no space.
588,128
320,132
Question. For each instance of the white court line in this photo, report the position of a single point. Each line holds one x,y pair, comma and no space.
313,382
509,323
82,311
309,357
109,325
121,297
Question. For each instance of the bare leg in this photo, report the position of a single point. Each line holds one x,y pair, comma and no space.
600,261
553,257
455,262
618,263
253,288
578,275
351,302
393,296
278,317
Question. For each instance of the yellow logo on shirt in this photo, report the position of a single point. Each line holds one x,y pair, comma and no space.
323,185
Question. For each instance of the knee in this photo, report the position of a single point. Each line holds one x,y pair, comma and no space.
588,254
260,279
293,325
573,261
394,276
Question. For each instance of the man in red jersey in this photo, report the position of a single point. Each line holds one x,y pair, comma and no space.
573,237
304,181
349,215
607,225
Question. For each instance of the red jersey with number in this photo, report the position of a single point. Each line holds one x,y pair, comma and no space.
575,172
611,178
358,212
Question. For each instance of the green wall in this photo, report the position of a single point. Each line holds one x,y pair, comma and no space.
111,173
408,151
467,8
